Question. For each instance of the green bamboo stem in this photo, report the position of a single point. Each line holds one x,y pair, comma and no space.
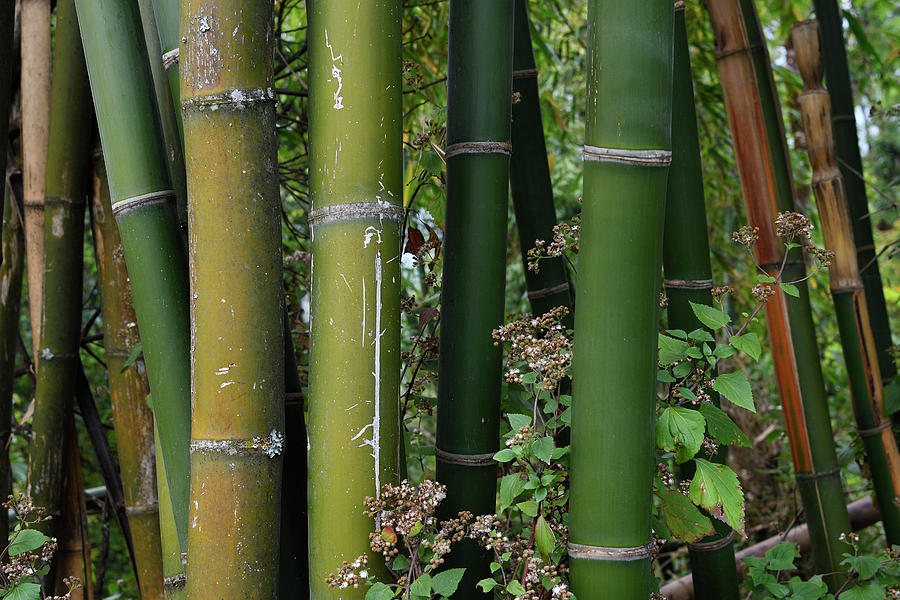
689,279
846,283
627,153
128,390
472,296
11,269
168,20
172,564
354,363
529,175
759,146
234,220
837,74
142,202
66,188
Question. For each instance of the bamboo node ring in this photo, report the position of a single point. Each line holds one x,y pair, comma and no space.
271,445
548,291
613,554
679,5
469,460
127,204
175,582
819,475
238,99
713,545
875,430
170,58
352,211
689,284
525,74
622,156
63,200
478,148
142,509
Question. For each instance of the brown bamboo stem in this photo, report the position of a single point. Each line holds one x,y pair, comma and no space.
73,558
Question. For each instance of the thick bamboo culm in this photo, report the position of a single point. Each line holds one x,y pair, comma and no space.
128,390
472,292
354,361
791,332
837,75
627,154
529,175
67,187
860,354
11,270
35,93
172,563
234,224
688,278
143,204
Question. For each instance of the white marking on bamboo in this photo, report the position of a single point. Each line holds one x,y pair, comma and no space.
336,74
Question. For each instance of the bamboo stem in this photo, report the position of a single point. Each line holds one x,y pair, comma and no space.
74,554
846,284
759,145
7,59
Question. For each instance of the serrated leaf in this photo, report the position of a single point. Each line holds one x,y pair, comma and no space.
807,590
487,584
518,421
790,289
765,279
688,394
709,316
510,487
723,351
683,519
866,566
677,333
379,591
515,588
671,350
24,591
26,540
868,591
505,455
680,429
721,428
663,376
446,582
736,387
544,538
701,335
401,563
682,369
529,507
747,343
543,448
421,587
782,556
716,488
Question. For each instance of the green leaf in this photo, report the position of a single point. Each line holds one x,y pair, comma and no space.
814,589
495,566
487,584
529,507
782,556
677,333
860,34
723,351
682,369
26,540
671,350
543,448
701,335
663,376
446,582
529,377
401,563
709,316
869,591
716,488
515,588
688,394
721,428
416,529
24,591
765,279
544,538
736,387
379,591
421,587
747,343
510,487
680,429
866,566
683,519
517,421
133,356
892,398
505,455
790,289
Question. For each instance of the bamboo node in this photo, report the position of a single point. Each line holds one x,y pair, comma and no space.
525,74
820,475
548,291
478,148
175,582
470,460
238,99
127,204
271,445
170,58
352,211
51,200
612,554
878,430
142,509
622,156
679,5
713,545
689,284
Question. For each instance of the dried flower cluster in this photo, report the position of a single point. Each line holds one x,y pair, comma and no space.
746,236
792,225
763,291
566,237
350,574
540,344
404,507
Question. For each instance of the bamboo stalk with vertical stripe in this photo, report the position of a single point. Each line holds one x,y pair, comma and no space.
792,338
626,157
354,361
688,278
851,308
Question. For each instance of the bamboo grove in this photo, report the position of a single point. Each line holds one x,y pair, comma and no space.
288,291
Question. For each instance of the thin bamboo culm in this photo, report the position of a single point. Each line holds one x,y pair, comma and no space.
627,152
688,278
7,59
67,187
851,308
128,390
354,361
789,320
234,224
472,290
